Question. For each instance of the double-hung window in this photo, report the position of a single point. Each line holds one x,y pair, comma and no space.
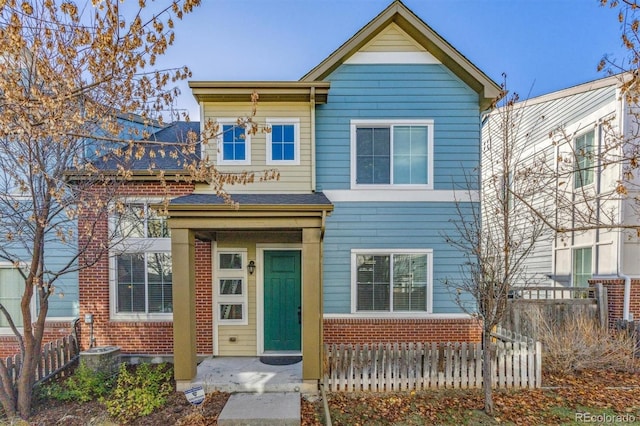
584,159
581,266
234,146
141,264
283,141
391,281
231,286
392,152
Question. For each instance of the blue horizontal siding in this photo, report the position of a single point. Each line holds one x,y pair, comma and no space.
57,256
65,300
373,225
399,91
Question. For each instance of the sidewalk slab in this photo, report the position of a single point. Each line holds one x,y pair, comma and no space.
274,408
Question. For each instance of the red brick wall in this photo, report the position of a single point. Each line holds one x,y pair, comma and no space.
368,330
147,337
204,298
52,331
615,299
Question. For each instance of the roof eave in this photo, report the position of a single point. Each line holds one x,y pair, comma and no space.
137,175
187,209
268,91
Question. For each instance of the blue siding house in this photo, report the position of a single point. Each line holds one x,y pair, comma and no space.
374,148
396,142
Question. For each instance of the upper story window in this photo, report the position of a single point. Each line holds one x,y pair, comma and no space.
139,220
141,269
584,159
395,152
234,145
283,141
391,281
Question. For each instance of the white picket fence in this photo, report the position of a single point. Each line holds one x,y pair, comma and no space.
416,366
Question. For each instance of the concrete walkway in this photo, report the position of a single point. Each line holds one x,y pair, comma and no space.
278,408
261,394
246,374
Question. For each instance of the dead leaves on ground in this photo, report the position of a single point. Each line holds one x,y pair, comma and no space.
557,402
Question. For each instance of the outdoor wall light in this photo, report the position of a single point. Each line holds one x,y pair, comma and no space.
251,267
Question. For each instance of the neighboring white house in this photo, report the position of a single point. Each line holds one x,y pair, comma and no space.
568,150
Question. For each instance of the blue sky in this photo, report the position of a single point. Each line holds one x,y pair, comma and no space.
542,45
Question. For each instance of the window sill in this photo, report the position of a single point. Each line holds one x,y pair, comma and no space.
394,316
394,194
142,318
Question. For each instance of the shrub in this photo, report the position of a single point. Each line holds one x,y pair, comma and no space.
139,392
84,385
582,344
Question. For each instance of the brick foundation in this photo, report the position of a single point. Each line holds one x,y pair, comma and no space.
370,330
53,330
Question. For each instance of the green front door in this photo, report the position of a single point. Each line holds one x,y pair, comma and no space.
282,303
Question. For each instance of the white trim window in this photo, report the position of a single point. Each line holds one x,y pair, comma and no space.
141,269
231,287
391,281
283,141
582,266
11,289
584,146
396,153
234,143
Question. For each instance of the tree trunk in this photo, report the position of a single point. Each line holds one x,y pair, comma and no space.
25,393
27,373
487,357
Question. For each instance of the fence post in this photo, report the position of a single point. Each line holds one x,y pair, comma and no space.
603,307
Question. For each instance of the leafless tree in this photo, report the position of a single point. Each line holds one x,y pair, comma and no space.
74,78
497,235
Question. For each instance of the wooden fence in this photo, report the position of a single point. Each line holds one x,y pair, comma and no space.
529,307
409,366
55,359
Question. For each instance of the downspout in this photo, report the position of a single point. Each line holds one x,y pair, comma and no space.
598,189
203,153
627,280
312,108
324,224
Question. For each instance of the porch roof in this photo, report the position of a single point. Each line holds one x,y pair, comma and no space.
314,200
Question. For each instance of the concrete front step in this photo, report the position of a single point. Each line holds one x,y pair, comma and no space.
272,408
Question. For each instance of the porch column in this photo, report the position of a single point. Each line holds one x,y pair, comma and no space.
312,304
183,252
